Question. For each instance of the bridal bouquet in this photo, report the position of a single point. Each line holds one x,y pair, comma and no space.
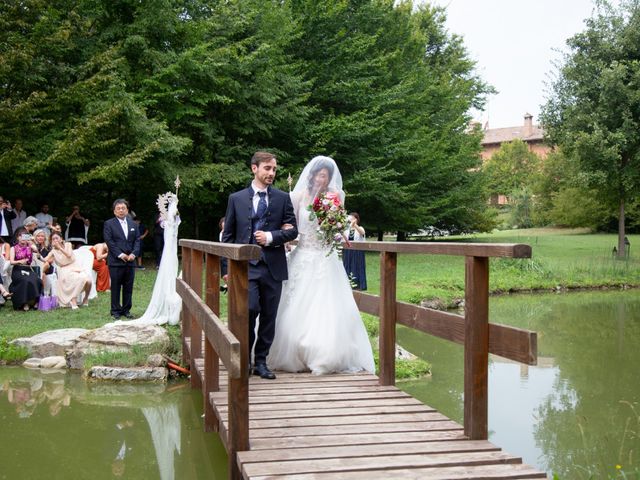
332,220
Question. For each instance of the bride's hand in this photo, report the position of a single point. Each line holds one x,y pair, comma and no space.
286,226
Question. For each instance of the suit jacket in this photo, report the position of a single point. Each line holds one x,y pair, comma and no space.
8,216
118,244
237,226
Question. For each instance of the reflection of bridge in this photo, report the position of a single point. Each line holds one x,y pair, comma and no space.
348,426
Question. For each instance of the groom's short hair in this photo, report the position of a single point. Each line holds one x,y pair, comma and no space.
260,157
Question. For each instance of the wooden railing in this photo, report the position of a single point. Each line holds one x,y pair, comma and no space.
472,330
229,343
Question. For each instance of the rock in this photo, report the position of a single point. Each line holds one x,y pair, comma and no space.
134,374
53,362
434,304
32,363
403,354
115,338
156,360
51,343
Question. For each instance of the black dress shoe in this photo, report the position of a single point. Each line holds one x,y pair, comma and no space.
263,371
115,317
129,316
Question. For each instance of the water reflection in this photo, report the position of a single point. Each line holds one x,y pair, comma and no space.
577,413
59,426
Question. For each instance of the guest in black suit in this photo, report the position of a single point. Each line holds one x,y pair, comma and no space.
6,215
122,238
262,215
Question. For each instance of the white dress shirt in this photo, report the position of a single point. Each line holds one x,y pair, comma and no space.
256,199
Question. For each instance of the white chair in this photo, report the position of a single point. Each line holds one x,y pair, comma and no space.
84,257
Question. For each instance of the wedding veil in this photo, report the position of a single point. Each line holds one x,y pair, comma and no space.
305,189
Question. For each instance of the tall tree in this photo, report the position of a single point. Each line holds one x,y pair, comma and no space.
391,90
593,110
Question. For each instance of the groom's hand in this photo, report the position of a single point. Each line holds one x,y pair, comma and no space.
261,237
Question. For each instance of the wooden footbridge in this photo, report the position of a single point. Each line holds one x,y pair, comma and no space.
302,426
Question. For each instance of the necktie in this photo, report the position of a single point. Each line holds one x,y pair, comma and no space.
261,210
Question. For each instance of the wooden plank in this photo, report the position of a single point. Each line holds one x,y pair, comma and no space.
400,402
379,462
223,341
333,412
314,453
232,251
194,280
390,393
512,250
319,390
354,419
353,429
356,439
387,337
467,472
476,348
509,342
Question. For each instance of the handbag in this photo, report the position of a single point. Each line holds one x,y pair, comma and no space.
47,302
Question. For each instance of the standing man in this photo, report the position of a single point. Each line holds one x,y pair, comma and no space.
21,215
6,216
45,220
122,239
257,215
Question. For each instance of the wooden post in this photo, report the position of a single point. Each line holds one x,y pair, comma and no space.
238,314
195,280
387,340
185,317
476,348
211,359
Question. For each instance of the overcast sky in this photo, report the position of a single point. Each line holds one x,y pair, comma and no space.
513,43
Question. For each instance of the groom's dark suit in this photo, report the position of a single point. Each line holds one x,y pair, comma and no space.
265,277
122,272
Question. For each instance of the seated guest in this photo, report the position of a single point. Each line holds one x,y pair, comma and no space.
5,264
100,252
26,285
72,279
77,228
47,270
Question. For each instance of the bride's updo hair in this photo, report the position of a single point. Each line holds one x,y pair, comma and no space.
320,164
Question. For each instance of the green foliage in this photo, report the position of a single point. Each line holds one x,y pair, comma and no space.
592,111
512,168
135,357
10,354
575,207
522,206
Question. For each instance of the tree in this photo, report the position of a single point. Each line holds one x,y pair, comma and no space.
512,168
593,110
390,92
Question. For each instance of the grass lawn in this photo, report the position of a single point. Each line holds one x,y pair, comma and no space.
560,258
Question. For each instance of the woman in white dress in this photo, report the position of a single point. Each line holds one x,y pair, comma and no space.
318,327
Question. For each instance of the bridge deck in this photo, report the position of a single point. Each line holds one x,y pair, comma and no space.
348,427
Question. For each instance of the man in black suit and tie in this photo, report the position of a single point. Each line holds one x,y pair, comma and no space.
122,239
257,215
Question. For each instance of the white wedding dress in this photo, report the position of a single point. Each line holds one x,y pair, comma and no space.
318,326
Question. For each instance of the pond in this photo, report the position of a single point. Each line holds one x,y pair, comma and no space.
55,425
577,413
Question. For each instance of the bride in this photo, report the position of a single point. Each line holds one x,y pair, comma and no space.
318,326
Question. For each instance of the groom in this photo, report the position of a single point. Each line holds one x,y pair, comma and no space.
256,215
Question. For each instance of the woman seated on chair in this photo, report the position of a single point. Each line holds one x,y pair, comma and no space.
48,270
72,279
26,285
